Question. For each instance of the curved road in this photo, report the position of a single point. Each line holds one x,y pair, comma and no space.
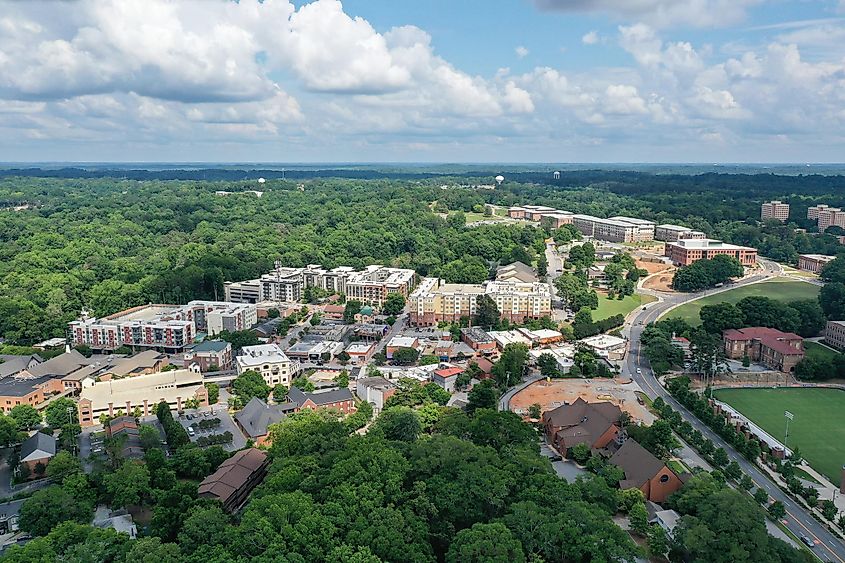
798,520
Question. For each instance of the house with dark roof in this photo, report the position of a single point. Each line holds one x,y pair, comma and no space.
24,389
38,449
339,399
594,424
209,355
235,478
645,472
771,347
257,416
11,365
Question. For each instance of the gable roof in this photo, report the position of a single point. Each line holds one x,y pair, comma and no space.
320,398
38,446
769,337
61,365
257,415
483,363
448,372
11,365
210,346
638,463
583,422
233,474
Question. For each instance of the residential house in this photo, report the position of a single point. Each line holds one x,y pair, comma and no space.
125,429
209,355
645,472
255,418
235,478
36,453
768,346
594,424
338,399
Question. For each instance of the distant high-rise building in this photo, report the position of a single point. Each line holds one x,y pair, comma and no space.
775,210
813,212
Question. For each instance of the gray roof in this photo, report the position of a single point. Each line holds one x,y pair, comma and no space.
11,365
638,463
210,346
61,365
38,446
257,415
321,397
14,386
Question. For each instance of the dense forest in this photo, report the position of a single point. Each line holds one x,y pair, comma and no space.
97,239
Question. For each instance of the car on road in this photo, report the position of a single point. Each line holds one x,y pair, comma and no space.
808,542
556,458
639,370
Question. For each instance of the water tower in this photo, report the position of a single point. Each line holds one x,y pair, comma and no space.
556,175
500,179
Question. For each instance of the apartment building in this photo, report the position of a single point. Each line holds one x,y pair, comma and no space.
813,212
371,285
556,220
434,300
615,229
774,210
834,334
831,217
813,262
686,251
165,327
143,392
209,355
268,360
672,233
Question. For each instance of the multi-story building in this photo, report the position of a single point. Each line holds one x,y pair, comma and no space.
772,348
556,220
686,251
831,217
374,390
143,392
434,300
371,285
813,212
165,327
268,360
209,355
774,210
615,229
813,262
834,334
672,233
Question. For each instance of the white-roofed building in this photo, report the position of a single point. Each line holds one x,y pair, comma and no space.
268,360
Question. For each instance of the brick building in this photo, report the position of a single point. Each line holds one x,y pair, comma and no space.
768,346
686,251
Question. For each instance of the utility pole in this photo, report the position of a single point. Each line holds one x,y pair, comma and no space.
789,416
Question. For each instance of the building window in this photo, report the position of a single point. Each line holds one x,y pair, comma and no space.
664,478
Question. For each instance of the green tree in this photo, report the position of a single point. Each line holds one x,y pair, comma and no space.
510,367
394,304
639,519
63,465
149,436
761,496
48,507
25,416
60,412
342,379
486,312
721,316
535,411
398,423
484,395
280,392
405,356
580,453
777,510
352,308
485,543
658,543
720,457
129,485
213,393
250,384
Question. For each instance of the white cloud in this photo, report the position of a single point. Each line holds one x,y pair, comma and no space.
521,52
660,13
590,38
623,99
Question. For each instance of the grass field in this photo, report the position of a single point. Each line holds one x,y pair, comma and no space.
779,290
609,307
816,349
817,430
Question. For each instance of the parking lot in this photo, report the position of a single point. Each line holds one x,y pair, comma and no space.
191,418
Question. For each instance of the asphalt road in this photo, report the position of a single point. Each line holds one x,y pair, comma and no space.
798,520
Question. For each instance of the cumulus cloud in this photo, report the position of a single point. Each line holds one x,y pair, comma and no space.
521,51
661,13
590,38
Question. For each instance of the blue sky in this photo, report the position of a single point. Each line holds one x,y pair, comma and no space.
382,81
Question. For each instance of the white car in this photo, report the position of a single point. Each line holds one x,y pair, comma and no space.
639,370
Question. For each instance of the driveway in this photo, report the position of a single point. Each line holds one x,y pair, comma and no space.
226,424
565,469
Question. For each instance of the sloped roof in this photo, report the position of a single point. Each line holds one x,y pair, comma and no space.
319,398
582,421
210,346
11,365
232,474
61,365
38,446
257,415
638,463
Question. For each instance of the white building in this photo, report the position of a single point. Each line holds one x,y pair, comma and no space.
268,360
615,229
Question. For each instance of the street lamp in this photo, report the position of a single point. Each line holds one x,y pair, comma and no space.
789,416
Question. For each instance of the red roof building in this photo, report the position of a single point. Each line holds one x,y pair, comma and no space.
771,347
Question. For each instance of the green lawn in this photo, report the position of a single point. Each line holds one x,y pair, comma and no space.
817,430
816,349
609,307
779,290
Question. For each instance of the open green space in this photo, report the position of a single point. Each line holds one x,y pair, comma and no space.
472,217
814,349
779,290
609,307
817,429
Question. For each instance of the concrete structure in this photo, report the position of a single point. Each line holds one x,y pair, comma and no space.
118,520
360,352
556,220
563,355
371,285
686,251
834,334
672,233
209,355
774,210
170,328
594,424
516,272
374,390
316,351
434,300
813,211
831,217
255,418
537,213
645,472
36,453
398,342
235,478
505,337
605,345
615,229
268,360
813,262
771,347
143,392
446,377
541,336
338,399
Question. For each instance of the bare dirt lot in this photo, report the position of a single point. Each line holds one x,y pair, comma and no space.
660,282
553,394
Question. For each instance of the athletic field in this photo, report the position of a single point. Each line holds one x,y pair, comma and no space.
818,428
778,290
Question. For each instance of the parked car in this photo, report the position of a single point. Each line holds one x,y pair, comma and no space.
556,458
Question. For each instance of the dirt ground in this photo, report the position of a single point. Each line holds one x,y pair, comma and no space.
553,394
653,267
